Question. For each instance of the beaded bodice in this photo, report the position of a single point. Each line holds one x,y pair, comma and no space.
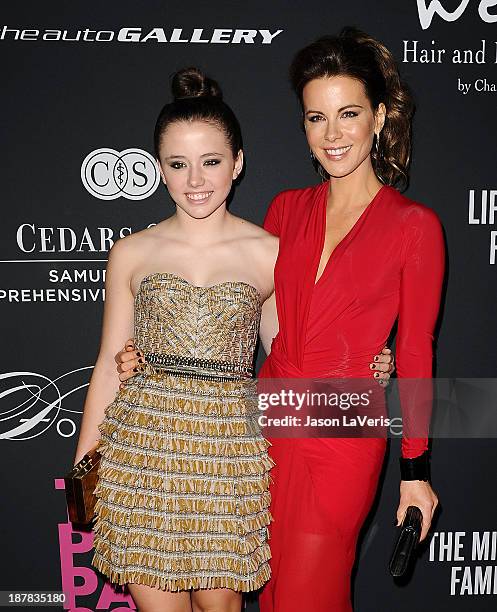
174,317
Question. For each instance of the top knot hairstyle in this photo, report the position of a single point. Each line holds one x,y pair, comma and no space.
192,83
357,55
196,97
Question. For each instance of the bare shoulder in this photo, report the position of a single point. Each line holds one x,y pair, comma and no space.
269,246
256,236
258,249
137,244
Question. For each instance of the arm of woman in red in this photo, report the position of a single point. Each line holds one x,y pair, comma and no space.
420,291
421,285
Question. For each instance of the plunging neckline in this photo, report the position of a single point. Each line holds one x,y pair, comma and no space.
355,227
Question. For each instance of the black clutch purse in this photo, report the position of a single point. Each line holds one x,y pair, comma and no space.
80,485
407,541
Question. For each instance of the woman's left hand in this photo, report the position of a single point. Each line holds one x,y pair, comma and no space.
383,366
417,493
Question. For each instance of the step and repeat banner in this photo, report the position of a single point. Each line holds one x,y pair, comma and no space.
82,84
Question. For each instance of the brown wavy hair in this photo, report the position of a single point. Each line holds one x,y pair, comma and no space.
355,54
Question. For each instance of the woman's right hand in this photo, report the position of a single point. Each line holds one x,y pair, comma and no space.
80,454
129,361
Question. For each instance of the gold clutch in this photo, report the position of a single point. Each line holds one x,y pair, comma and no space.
80,486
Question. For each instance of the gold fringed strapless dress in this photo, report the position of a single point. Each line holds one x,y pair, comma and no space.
183,489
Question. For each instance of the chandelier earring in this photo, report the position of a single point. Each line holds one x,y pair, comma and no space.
377,145
318,167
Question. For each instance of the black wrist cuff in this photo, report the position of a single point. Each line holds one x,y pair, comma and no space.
415,469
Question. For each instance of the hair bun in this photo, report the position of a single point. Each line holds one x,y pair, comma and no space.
192,83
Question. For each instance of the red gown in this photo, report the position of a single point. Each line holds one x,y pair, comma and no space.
390,265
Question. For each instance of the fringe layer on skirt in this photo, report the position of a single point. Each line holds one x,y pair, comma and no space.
183,488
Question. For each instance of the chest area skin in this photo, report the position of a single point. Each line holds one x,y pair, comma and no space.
356,257
338,225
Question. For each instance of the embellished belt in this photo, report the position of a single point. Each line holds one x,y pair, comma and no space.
200,369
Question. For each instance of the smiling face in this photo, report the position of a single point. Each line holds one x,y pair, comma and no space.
197,166
340,124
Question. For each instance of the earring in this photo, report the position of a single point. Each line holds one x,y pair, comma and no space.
377,159
377,144
322,173
318,167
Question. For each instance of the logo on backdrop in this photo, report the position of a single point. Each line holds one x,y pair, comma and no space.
108,174
81,581
472,53
63,247
426,11
141,35
33,403
482,210
470,557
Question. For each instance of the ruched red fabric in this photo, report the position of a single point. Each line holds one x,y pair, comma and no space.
388,267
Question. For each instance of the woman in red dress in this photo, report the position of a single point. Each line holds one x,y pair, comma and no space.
336,307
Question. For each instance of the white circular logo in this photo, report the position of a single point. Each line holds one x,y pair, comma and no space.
108,174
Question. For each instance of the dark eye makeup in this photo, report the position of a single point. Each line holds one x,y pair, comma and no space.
177,165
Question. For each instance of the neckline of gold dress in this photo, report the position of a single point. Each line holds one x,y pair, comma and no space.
147,277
